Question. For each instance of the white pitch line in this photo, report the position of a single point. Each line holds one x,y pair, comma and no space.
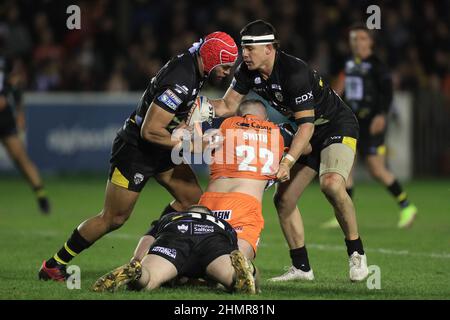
322,247
325,247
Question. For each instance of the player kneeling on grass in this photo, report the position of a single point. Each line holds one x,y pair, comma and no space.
194,244
241,166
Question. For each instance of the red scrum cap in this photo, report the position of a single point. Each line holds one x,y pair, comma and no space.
217,48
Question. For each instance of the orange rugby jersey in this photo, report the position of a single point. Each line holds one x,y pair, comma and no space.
251,148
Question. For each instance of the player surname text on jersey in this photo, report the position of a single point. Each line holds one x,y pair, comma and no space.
255,136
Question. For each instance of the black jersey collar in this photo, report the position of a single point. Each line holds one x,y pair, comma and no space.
359,60
276,62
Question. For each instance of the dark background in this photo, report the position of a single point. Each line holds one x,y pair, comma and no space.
122,44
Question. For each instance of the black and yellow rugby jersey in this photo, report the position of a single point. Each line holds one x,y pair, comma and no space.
368,87
292,86
174,88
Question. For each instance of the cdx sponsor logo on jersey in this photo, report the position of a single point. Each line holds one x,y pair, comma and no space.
223,214
304,97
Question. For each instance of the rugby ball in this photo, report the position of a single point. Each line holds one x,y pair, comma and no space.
201,110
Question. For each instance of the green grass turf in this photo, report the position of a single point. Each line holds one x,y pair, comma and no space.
415,263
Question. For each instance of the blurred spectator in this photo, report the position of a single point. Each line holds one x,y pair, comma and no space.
18,39
414,37
117,81
47,49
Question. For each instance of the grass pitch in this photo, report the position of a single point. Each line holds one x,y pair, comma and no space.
414,264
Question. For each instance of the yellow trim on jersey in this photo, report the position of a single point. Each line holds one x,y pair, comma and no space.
351,142
73,254
59,259
119,180
321,82
402,196
381,150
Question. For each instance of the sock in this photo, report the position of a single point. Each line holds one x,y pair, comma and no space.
350,192
40,192
69,250
41,197
397,191
354,245
299,258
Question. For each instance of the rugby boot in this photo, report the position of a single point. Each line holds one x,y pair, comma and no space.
57,273
44,205
293,273
358,270
407,216
118,277
244,282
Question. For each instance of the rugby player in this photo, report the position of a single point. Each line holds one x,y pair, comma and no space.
12,119
187,244
323,119
368,91
142,147
240,172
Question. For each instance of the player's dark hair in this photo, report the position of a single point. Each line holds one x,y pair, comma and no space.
362,27
260,28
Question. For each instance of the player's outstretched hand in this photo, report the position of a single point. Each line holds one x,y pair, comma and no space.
284,169
283,173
